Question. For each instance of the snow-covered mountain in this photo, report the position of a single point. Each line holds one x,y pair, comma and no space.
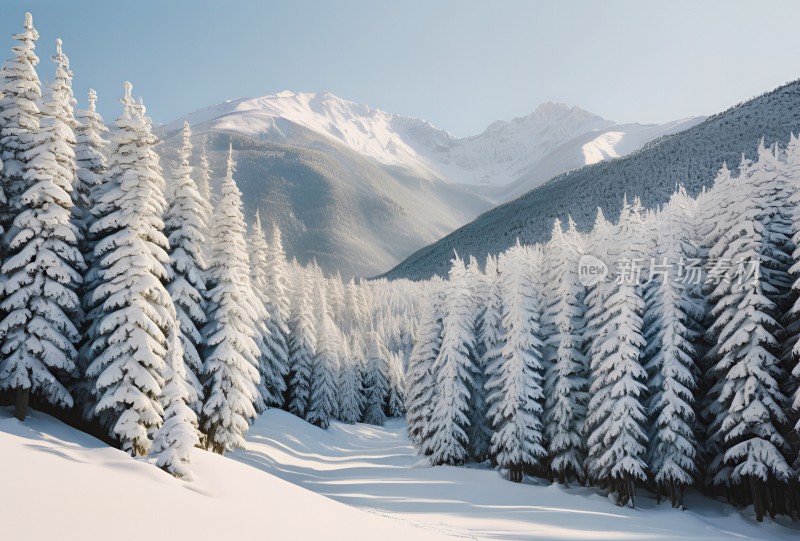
691,157
560,136
360,189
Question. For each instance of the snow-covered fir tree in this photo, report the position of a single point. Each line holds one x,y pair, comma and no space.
454,368
273,365
184,226
670,329
322,402
395,401
133,311
91,165
19,117
351,385
43,266
479,431
302,346
747,406
616,417
278,308
420,378
178,435
566,378
376,380
230,368
515,368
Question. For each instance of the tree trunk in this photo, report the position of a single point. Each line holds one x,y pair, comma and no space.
21,405
757,502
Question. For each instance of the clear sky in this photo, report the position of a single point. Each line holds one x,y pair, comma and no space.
460,64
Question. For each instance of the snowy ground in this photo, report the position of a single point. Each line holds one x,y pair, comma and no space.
58,483
377,469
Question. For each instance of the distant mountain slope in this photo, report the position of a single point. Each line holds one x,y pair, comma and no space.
360,189
691,157
334,205
506,152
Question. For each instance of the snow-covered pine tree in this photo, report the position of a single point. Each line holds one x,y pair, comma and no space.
273,356
231,356
19,117
351,386
516,373
616,415
395,401
566,374
178,435
184,227
747,405
455,369
278,307
420,377
376,380
43,265
479,432
322,401
670,328
127,337
302,345
91,165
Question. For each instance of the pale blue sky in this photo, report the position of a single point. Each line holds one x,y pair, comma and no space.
460,64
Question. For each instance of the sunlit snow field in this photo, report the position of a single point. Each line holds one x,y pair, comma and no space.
390,493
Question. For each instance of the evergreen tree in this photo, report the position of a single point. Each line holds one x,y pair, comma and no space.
670,328
376,380
395,401
616,416
127,338
566,379
187,288
231,361
91,166
420,376
175,438
516,372
43,265
278,307
273,356
302,345
322,403
19,118
455,369
351,386
747,405
479,432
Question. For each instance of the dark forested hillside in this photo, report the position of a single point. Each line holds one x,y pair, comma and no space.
691,157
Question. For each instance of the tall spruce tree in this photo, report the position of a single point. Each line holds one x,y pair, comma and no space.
230,368
127,339
516,372
455,369
184,227
43,265
616,415
566,379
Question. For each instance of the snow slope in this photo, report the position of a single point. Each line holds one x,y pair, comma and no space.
59,483
377,469
500,155
293,482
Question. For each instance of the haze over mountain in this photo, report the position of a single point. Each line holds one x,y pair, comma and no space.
691,158
359,189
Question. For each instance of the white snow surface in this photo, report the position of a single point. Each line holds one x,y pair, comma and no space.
293,481
554,133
